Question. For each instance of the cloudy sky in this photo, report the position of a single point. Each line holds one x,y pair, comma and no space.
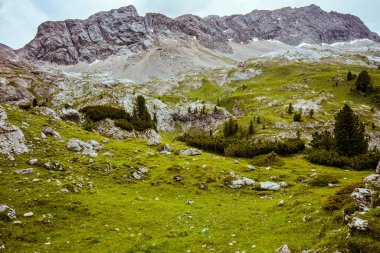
19,19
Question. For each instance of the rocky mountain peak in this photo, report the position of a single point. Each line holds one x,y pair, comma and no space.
123,31
5,48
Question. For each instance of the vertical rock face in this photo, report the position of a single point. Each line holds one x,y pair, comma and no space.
12,141
123,31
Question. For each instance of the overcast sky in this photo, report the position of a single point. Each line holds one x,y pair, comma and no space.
19,19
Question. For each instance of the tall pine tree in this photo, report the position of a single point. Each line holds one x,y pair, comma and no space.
349,132
363,82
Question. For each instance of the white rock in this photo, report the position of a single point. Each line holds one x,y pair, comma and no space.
24,171
358,224
190,202
281,203
29,214
250,167
269,186
190,152
135,175
283,249
283,184
154,138
49,131
33,161
363,198
11,213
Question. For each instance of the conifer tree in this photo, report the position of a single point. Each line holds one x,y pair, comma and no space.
349,132
290,108
251,129
363,82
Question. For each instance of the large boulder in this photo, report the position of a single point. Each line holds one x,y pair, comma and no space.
87,149
12,140
190,152
270,186
372,181
154,139
283,249
358,224
239,183
50,132
363,198
7,213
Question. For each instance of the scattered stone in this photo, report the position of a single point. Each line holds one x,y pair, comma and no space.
373,180
281,203
166,149
269,186
24,171
10,212
203,186
283,249
50,132
64,190
70,115
239,183
17,222
43,135
236,162
29,214
358,224
11,158
250,167
190,152
154,138
267,168
108,154
88,148
190,202
135,175
143,170
33,161
177,178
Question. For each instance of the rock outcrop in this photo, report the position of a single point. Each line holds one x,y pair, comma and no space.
5,48
12,140
123,31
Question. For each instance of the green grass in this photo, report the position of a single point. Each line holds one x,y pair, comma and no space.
120,214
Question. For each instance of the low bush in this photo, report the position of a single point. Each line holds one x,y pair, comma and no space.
341,198
100,112
366,161
123,124
237,147
323,180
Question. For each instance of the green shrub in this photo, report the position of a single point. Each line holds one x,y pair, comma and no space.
100,112
25,107
323,180
358,244
341,198
123,124
88,125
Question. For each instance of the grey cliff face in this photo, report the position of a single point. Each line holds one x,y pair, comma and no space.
5,48
123,31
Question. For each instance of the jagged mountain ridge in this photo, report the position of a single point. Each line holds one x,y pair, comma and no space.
5,48
123,31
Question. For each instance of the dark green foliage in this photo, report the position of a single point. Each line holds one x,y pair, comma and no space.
258,120
101,112
359,244
341,198
189,110
215,109
141,119
25,106
290,108
88,125
124,124
297,117
218,103
349,132
350,76
203,111
323,180
366,161
311,113
230,128
234,146
251,129
34,103
323,140
363,82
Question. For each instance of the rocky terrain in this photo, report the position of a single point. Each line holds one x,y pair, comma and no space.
123,31
69,182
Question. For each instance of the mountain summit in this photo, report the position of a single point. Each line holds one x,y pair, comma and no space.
124,31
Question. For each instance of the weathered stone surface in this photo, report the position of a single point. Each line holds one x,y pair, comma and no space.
270,186
283,249
5,48
240,183
154,137
12,140
190,152
10,212
24,171
358,224
123,31
363,198
50,132
88,148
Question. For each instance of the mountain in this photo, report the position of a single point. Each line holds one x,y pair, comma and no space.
123,31
5,48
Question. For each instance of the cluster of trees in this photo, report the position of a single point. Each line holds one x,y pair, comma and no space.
363,81
346,145
140,120
231,128
297,116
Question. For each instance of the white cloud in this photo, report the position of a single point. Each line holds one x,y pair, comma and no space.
19,19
